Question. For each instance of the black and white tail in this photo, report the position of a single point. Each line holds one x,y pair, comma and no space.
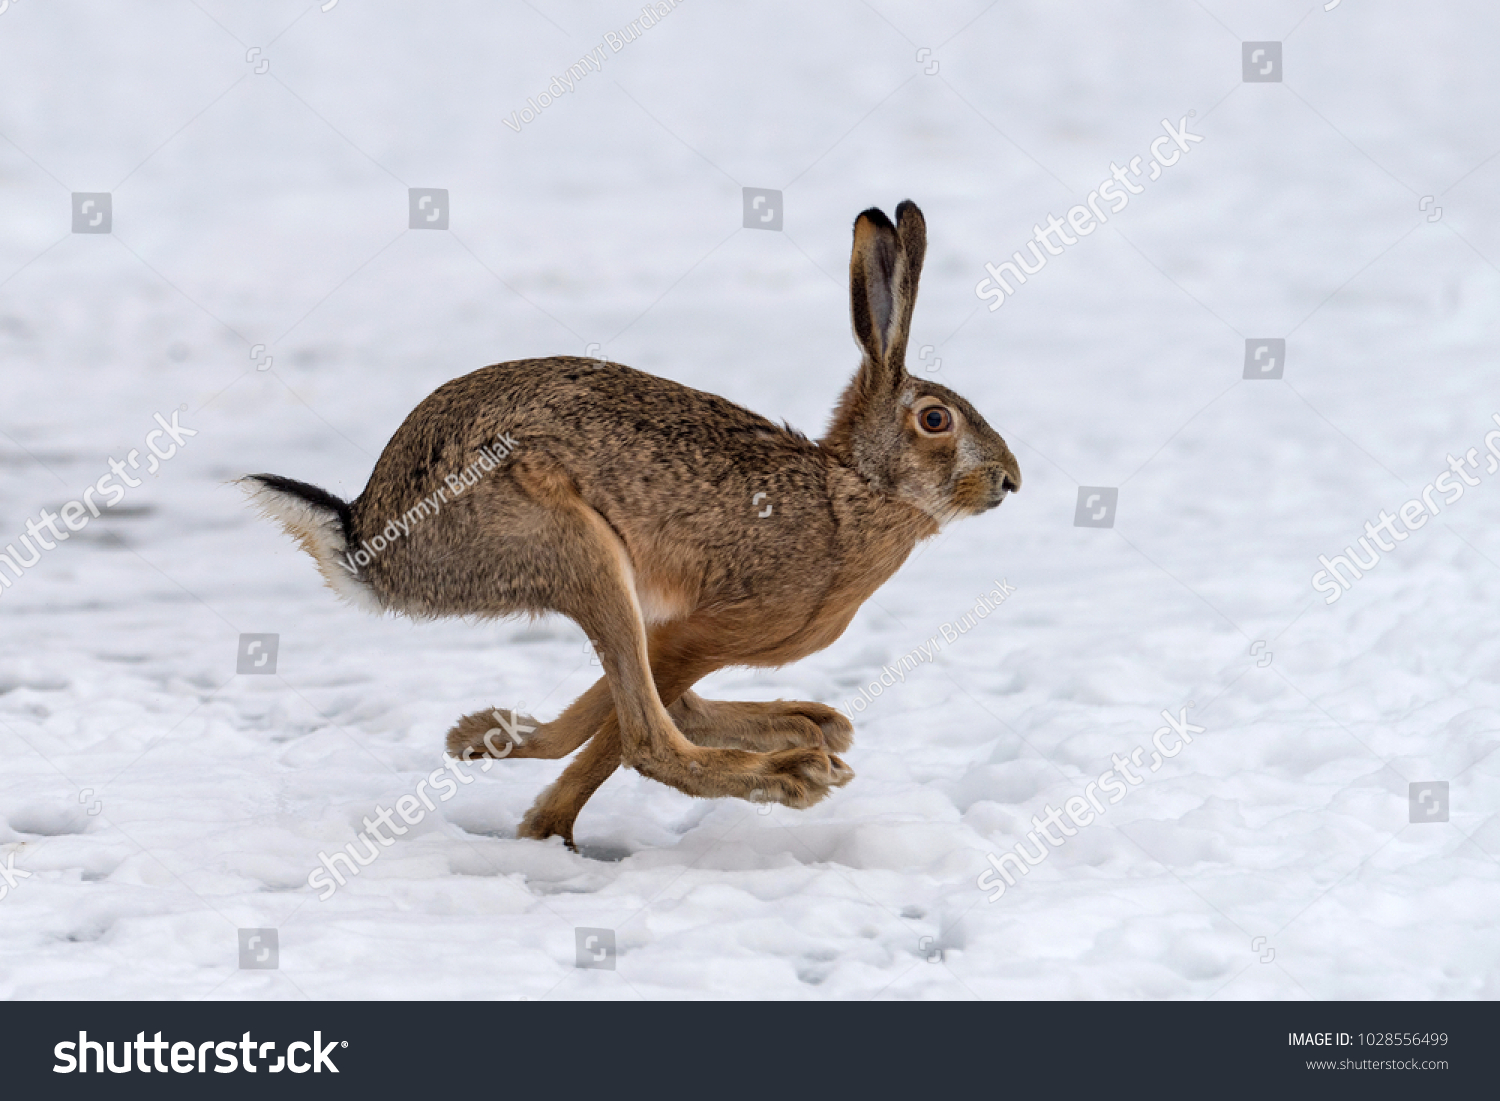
323,524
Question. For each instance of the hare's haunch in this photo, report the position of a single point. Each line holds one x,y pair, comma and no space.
680,531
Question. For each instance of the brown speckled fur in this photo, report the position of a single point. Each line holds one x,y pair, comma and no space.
629,505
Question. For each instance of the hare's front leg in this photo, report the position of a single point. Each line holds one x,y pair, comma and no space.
753,725
779,724
500,732
776,725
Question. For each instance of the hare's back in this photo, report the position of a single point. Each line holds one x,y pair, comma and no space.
610,425
614,426
682,475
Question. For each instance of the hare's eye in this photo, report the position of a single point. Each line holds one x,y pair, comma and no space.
937,419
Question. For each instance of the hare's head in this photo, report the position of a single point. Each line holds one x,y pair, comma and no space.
910,438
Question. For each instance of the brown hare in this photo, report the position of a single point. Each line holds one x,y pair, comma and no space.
680,531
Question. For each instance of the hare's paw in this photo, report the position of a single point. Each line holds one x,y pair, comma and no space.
793,777
798,778
837,730
762,727
546,820
497,732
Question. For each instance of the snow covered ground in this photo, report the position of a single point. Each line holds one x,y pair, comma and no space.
258,158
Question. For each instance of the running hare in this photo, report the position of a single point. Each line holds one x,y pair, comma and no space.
680,531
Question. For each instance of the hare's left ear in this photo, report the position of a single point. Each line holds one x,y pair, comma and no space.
884,269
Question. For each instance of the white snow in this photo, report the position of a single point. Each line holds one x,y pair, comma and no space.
153,801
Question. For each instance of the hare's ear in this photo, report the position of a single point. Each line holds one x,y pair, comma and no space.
884,268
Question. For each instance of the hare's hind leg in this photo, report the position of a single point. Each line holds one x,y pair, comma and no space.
596,590
557,807
779,724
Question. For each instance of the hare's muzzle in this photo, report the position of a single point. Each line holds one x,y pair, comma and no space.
984,487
